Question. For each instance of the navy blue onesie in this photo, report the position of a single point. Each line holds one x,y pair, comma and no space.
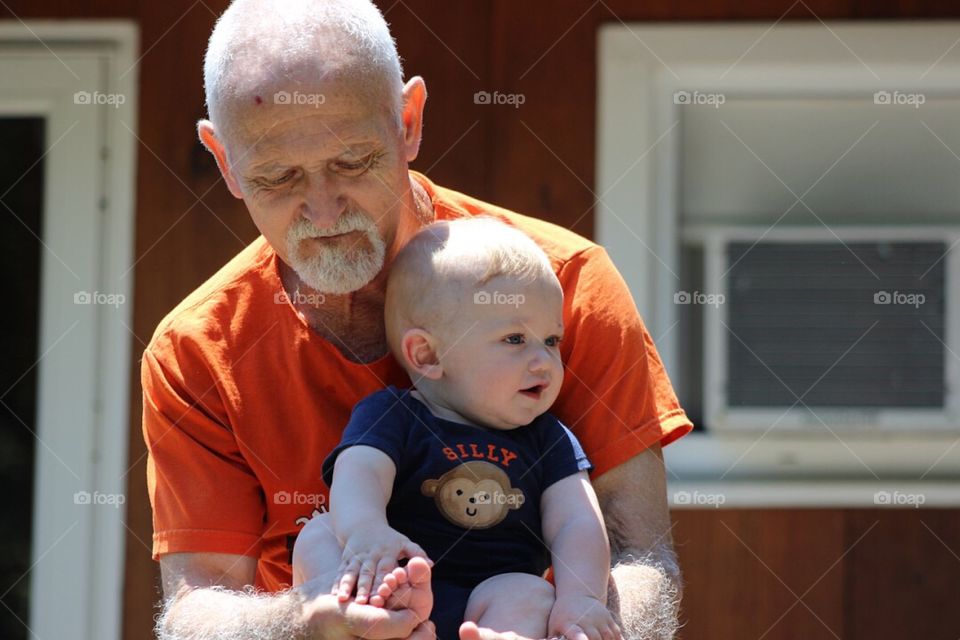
468,495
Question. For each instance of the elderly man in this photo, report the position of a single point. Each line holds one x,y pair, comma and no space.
249,382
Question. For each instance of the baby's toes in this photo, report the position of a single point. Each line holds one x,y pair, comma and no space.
399,598
390,582
400,574
385,590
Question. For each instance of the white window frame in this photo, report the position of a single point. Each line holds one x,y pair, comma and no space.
641,66
83,383
846,421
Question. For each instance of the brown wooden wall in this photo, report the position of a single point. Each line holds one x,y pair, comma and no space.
750,574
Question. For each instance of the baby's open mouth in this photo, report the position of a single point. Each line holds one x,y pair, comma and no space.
534,392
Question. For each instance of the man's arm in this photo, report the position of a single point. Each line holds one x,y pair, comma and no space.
204,598
645,585
208,596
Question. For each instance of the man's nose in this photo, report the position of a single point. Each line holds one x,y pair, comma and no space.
323,204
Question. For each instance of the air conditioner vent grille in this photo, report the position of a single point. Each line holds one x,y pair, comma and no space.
801,313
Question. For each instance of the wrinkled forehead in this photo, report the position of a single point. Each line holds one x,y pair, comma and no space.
266,123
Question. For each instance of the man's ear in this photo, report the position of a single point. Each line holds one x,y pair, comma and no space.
208,136
418,348
414,98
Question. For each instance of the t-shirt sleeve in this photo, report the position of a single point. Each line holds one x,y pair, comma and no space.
616,396
562,454
205,497
381,421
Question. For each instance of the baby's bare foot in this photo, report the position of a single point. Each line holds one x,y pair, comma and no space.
470,631
407,588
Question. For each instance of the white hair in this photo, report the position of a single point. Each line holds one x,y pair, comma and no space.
257,40
341,268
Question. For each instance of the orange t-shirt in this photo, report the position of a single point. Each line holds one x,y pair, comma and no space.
243,401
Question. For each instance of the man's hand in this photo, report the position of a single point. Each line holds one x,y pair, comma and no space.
191,609
369,554
581,617
330,619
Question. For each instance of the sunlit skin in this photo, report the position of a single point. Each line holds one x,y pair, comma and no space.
495,365
319,160
315,161
489,356
309,164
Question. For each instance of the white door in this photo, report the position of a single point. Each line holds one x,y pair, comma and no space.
66,217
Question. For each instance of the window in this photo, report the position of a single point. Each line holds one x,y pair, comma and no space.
784,205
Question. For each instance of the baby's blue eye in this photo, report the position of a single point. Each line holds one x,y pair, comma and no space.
514,339
553,341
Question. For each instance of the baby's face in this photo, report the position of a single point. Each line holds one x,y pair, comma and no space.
501,357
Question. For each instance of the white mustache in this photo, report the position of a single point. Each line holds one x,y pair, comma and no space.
348,222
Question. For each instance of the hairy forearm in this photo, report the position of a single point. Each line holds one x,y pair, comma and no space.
219,614
645,591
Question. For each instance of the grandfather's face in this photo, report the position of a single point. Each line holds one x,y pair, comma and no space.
324,176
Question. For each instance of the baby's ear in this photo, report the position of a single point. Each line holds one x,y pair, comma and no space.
419,350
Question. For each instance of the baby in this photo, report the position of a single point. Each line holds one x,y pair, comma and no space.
465,472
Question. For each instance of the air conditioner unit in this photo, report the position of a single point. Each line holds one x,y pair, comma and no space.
844,329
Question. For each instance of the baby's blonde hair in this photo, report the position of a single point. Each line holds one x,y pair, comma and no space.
449,261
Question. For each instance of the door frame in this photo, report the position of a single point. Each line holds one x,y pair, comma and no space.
95,439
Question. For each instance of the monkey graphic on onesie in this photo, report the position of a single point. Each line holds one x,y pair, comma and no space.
468,495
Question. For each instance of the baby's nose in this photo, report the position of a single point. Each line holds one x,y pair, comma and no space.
538,364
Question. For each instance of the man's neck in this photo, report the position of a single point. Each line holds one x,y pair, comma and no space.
354,322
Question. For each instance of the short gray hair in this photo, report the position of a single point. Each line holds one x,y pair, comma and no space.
257,36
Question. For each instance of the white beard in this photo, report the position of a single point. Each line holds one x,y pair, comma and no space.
339,268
